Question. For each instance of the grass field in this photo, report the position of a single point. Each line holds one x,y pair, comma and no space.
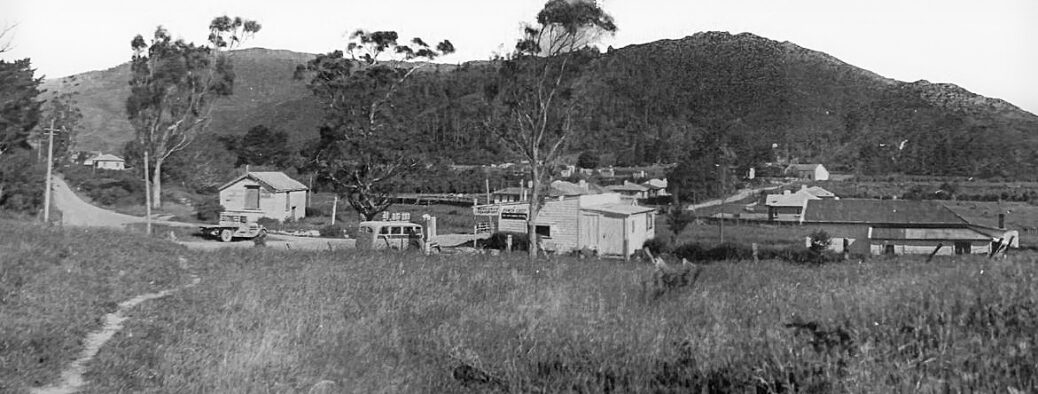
269,321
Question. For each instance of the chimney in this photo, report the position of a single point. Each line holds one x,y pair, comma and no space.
583,184
785,192
1001,220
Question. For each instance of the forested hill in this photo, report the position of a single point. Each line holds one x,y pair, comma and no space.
749,92
657,102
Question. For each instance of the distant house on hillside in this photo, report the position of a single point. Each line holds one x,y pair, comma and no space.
811,172
105,161
656,187
894,227
630,189
265,194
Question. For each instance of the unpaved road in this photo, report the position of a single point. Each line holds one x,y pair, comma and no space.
76,212
741,194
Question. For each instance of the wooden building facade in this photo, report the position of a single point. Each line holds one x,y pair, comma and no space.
265,194
607,222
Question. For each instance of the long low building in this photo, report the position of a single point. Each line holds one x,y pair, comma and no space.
894,227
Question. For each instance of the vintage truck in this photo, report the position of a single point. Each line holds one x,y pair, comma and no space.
234,225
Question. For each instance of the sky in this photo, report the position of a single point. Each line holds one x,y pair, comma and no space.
988,47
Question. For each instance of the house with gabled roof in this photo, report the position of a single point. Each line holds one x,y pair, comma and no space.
105,161
895,227
269,194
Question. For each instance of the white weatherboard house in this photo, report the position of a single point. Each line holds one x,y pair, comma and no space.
106,161
265,194
575,217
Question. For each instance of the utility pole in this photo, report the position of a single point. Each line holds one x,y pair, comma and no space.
50,165
724,197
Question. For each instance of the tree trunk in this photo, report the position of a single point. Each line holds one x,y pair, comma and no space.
156,189
147,197
531,226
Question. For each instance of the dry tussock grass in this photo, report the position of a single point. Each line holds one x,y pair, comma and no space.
265,320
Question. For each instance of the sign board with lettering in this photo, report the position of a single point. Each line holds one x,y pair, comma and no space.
515,212
486,210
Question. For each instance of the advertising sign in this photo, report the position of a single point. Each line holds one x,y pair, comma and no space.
515,212
486,210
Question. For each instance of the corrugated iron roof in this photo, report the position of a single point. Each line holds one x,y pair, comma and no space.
880,212
789,200
275,181
655,183
619,209
817,191
563,188
630,187
929,234
107,157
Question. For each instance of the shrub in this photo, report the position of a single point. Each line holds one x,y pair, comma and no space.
312,212
21,185
209,210
657,246
333,231
499,240
820,241
269,223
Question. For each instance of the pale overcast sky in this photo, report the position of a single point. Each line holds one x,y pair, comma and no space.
989,47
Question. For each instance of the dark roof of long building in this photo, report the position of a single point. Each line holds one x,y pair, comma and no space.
880,212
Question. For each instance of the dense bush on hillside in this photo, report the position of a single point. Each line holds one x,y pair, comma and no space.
106,187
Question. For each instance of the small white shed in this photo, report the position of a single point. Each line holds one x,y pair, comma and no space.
265,194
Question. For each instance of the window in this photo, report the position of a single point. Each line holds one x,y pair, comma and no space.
963,248
288,201
384,230
252,197
396,230
650,221
544,231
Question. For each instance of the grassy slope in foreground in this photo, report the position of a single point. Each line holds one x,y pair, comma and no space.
271,321
56,285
